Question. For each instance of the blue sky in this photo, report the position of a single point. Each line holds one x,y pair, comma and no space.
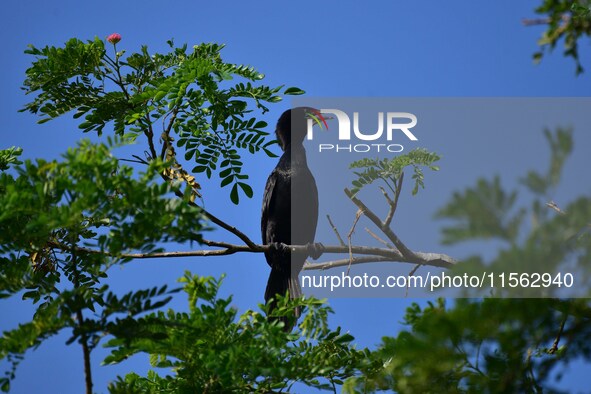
328,48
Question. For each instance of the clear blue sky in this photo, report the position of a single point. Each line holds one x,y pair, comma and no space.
328,48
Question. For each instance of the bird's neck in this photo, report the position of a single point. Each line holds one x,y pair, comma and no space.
296,150
295,155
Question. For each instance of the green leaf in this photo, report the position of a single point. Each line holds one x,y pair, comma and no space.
226,181
4,385
234,194
160,95
293,91
247,189
189,154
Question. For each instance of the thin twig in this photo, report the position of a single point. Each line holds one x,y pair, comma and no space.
86,354
555,207
392,204
139,159
345,262
214,219
530,369
134,161
411,273
535,21
357,216
416,267
391,207
336,231
149,133
166,134
397,196
243,237
406,252
543,21
554,347
83,335
386,243
478,356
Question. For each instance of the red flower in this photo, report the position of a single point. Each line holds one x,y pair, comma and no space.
114,38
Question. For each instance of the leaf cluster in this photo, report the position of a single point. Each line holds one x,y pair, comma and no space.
211,349
556,240
488,346
498,345
190,93
90,195
9,157
390,170
52,212
568,22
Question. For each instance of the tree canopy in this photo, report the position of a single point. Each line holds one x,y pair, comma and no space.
64,224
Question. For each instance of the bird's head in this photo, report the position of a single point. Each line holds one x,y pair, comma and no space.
292,125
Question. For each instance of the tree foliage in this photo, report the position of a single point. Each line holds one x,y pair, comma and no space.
9,156
188,95
489,346
65,223
556,240
211,349
498,344
568,21
390,170
52,211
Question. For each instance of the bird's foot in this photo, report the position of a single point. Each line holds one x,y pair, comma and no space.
315,250
279,247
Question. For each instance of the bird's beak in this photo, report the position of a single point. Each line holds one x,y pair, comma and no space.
317,117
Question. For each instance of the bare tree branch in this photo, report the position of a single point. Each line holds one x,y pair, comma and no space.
427,259
336,231
406,252
345,262
397,196
555,207
149,133
214,219
535,21
374,235
391,207
166,140
243,237
371,254
393,204
357,216
411,273
543,21
399,253
141,161
554,347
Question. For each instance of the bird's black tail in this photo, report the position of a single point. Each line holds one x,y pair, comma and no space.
280,282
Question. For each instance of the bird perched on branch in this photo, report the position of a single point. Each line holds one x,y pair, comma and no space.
290,210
